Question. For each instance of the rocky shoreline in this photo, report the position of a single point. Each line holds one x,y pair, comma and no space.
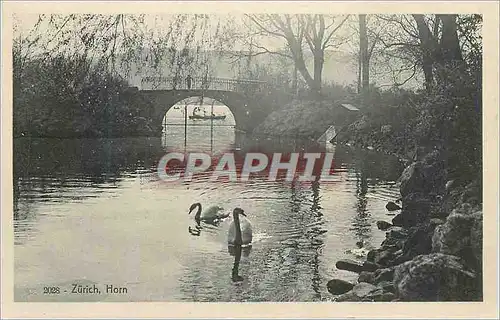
433,246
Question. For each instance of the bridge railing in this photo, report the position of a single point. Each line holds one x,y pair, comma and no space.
208,83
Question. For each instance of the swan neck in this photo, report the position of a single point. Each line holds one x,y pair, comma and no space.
198,213
237,226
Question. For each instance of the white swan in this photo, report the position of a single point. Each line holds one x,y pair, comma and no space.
240,229
212,215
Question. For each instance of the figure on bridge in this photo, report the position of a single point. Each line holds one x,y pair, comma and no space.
189,80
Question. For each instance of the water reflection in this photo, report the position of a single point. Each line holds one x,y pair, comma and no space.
196,231
73,170
237,252
183,134
317,232
64,188
361,222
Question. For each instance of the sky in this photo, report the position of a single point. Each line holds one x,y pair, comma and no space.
26,21
339,66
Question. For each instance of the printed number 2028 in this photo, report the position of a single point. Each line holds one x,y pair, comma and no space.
51,290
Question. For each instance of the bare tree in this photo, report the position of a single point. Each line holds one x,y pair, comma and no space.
371,43
424,41
302,36
364,58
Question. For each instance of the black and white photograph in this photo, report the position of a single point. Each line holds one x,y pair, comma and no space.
248,156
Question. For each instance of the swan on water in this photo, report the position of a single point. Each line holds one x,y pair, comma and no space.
212,215
240,229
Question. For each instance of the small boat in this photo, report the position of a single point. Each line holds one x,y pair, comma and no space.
195,116
204,117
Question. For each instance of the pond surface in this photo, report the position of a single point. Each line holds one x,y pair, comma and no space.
94,212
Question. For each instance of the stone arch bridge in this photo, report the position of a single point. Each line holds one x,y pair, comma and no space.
242,97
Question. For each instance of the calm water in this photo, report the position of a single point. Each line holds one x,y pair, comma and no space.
92,211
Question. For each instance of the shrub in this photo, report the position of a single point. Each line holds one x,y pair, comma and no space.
62,97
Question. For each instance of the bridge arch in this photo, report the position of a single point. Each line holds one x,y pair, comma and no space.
174,116
247,113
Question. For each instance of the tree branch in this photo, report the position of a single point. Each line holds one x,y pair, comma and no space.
408,79
401,24
259,24
333,31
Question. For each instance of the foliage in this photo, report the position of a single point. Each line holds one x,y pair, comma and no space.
336,92
61,97
275,88
66,68
448,118
130,43
451,119
447,115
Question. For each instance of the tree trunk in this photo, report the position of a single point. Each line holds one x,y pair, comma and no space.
295,80
299,62
318,70
314,81
450,64
450,46
427,68
360,69
301,66
365,64
429,48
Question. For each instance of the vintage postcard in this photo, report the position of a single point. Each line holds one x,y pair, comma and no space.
340,157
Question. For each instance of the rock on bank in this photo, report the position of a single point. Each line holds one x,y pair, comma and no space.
433,249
